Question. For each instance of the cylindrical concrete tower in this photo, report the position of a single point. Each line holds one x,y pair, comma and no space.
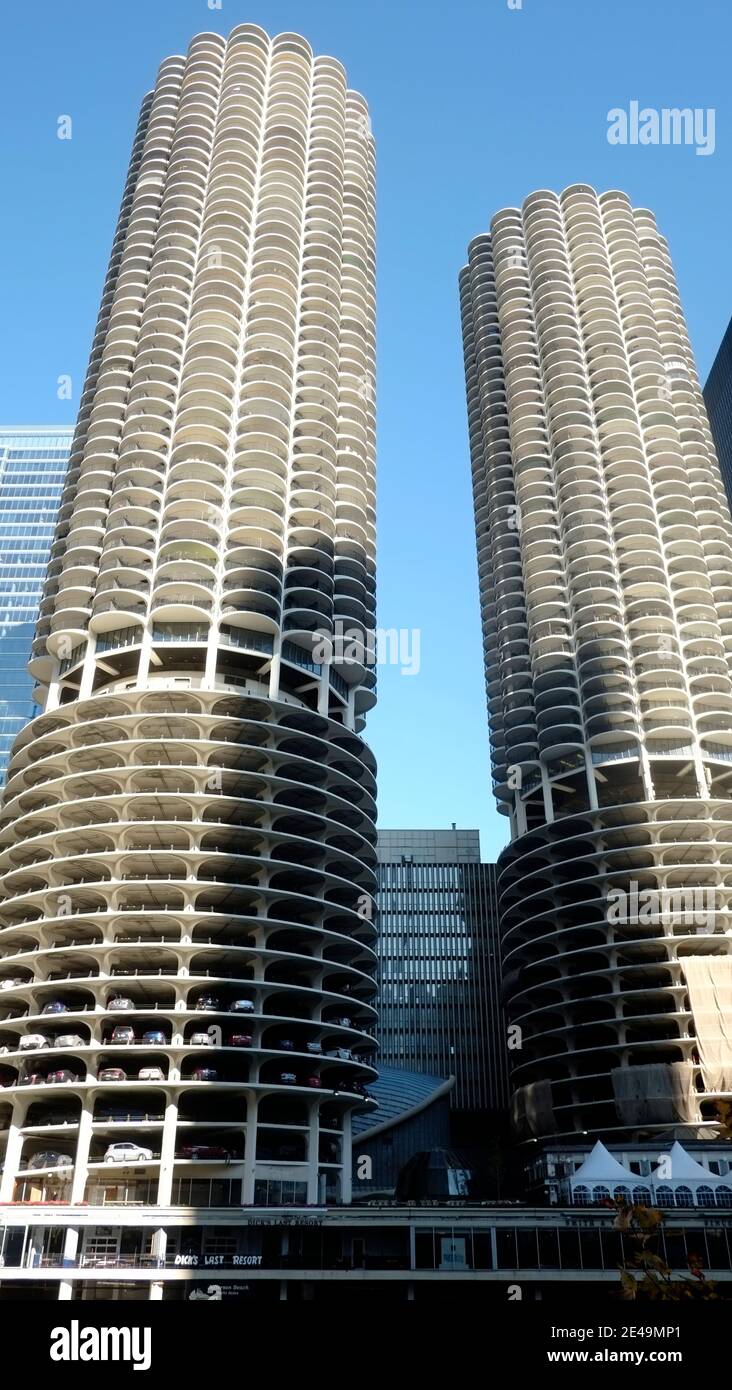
187,835
605,558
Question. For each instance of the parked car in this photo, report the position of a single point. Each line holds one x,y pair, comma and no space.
127,1152
314,1081
342,1053
33,1078
343,1022
123,1033
240,1040
111,1074
67,1040
285,1045
55,1007
207,1001
119,1002
241,1006
55,1078
12,983
315,1047
201,1040
197,1151
151,1074
123,1114
155,1037
204,1074
288,1078
31,1041
50,1159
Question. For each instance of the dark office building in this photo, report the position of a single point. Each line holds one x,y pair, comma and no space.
718,399
439,966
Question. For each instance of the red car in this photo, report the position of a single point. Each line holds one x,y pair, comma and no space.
240,1040
314,1081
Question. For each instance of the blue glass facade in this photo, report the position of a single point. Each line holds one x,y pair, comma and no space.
439,1002
32,469
718,400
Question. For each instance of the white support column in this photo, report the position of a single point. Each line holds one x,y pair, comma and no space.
159,1248
546,792
167,1154
347,1161
87,671
212,651
250,1152
324,690
143,669
274,675
313,1133
53,699
13,1151
591,781
81,1158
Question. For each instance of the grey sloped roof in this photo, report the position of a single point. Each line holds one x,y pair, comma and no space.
400,1093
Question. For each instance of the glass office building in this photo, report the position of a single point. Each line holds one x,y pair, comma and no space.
438,947
718,400
32,469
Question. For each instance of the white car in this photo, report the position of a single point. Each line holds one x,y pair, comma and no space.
31,1041
201,1040
119,1002
151,1074
67,1040
127,1152
11,984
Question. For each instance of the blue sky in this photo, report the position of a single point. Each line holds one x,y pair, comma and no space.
474,105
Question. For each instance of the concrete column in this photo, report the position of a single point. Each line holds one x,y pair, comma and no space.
71,1247
313,1132
212,651
347,1160
159,1247
167,1154
144,667
547,795
591,783
88,669
274,677
250,1152
81,1158
13,1151
324,690
53,698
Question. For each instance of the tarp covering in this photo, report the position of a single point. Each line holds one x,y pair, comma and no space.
656,1093
533,1110
709,982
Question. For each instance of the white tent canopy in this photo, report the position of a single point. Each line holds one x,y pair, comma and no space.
602,1176
600,1166
683,1168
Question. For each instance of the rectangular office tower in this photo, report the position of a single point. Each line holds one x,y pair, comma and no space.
718,400
605,551
33,463
187,834
439,1005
